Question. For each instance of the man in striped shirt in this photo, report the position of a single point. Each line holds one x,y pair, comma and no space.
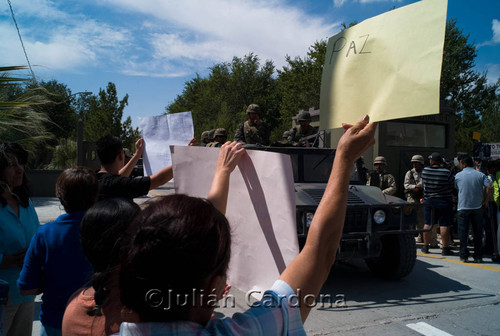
438,188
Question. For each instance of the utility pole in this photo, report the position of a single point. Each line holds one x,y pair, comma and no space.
80,155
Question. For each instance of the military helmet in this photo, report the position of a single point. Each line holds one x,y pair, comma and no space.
417,158
380,159
220,132
254,108
205,135
304,116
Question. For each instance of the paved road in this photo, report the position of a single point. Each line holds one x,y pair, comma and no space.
442,296
456,298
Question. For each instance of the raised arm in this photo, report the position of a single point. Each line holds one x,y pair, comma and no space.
139,149
309,270
229,156
161,177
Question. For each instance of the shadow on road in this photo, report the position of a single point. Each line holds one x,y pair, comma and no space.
352,287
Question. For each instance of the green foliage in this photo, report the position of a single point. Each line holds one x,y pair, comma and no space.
19,120
491,120
299,84
464,89
102,115
220,99
64,155
61,113
129,135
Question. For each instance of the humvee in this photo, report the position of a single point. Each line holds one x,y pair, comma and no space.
378,228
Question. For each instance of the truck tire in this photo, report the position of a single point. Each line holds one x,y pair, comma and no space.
397,257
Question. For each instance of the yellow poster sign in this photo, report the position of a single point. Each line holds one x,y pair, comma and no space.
388,66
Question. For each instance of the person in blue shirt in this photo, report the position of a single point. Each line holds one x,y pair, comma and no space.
55,264
174,269
18,223
470,184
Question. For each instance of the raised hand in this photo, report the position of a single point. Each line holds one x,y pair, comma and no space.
356,140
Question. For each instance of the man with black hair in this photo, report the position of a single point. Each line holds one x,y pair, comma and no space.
114,175
438,189
470,184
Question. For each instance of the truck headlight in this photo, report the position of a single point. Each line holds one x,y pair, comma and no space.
379,216
308,218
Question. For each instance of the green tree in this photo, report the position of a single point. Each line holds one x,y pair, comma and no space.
103,113
463,88
59,109
220,99
491,120
299,83
64,155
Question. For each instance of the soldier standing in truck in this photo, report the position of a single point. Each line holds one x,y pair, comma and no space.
253,131
304,130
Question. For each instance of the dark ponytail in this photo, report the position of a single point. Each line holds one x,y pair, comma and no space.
101,233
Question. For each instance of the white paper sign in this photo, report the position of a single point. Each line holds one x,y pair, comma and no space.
159,133
495,150
260,210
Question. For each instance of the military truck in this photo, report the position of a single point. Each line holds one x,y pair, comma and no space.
378,228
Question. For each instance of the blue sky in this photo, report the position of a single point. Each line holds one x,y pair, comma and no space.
150,48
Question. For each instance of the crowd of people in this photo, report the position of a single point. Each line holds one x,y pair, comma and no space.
256,132
466,195
107,266
97,264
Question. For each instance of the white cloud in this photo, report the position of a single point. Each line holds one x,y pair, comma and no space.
79,46
495,27
56,40
167,38
340,3
36,8
370,1
217,30
493,73
496,31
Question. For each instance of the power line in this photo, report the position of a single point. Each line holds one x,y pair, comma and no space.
21,39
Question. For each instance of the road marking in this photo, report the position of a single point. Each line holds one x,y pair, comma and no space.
427,330
482,266
155,192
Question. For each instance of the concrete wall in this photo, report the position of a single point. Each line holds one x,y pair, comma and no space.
43,182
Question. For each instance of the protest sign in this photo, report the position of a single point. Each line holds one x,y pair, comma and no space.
260,210
388,66
159,132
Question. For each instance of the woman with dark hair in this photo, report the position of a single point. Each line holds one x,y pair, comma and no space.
18,223
175,268
55,264
89,311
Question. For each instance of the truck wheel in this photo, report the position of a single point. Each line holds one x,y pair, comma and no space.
397,257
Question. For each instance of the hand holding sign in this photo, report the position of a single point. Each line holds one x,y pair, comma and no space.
388,66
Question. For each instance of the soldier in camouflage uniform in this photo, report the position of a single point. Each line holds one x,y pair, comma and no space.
220,138
414,189
286,140
305,129
204,138
380,178
253,131
414,192
211,135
